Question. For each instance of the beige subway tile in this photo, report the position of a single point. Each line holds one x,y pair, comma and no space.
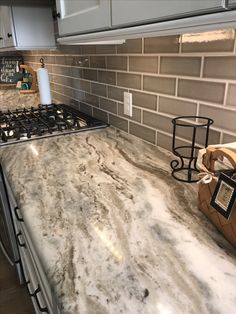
213,138
177,106
47,60
187,133
202,90
79,61
79,95
63,80
116,93
105,49
164,141
165,44
164,85
66,71
227,138
108,105
142,132
129,80
98,89
117,63
220,67
76,72
87,49
215,41
86,108
101,115
143,64
136,114
130,46
89,74
107,77
157,121
118,122
97,62
231,96
223,118
183,66
84,85
92,99
144,100
81,85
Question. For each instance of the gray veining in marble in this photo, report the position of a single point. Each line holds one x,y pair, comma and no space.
115,232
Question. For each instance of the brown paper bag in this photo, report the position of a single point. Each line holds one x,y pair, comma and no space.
205,191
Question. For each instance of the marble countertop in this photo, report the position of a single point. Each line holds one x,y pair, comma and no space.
12,99
114,231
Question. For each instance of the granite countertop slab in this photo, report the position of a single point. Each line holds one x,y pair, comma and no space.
114,231
11,99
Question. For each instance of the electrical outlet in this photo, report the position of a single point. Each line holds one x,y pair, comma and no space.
128,104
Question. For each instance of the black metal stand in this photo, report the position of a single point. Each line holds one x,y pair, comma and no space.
197,128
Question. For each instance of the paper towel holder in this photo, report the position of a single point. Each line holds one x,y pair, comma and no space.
33,88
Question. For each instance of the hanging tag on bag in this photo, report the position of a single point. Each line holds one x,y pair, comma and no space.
224,196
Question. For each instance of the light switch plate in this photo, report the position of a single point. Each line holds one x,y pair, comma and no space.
128,104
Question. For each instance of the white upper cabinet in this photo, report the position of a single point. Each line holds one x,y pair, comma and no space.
93,20
232,3
125,12
82,15
24,28
7,27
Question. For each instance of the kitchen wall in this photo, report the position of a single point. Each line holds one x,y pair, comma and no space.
168,76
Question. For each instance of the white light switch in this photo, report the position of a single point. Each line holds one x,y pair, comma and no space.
128,104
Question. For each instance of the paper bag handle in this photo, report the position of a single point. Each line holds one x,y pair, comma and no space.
212,154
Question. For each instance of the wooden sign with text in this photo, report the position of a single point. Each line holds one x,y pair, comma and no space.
10,72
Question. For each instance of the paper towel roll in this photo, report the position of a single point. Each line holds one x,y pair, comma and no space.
44,86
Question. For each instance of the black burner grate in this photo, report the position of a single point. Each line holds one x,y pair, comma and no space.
45,120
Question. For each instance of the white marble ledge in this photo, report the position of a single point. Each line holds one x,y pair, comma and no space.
116,233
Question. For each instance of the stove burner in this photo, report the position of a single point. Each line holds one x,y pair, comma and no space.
46,120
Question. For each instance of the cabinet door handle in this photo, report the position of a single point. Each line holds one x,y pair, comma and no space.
18,239
9,35
42,309
56,15
16,214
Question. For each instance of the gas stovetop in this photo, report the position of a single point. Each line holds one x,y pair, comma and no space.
45,121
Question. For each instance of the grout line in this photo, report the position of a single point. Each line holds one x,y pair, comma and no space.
141,81
142,42
234,50
128,64
176,86
225,94
221,138
157,103
159,64
198,109
180,44
202,66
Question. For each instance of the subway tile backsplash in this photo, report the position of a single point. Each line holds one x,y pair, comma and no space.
192,74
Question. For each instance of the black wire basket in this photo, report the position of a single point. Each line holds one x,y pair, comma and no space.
196,131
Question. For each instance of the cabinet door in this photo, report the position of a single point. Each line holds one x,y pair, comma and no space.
232,3
82,16
8,29
1,29
126,12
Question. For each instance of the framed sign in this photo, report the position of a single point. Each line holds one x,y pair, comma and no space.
224,196
10,72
